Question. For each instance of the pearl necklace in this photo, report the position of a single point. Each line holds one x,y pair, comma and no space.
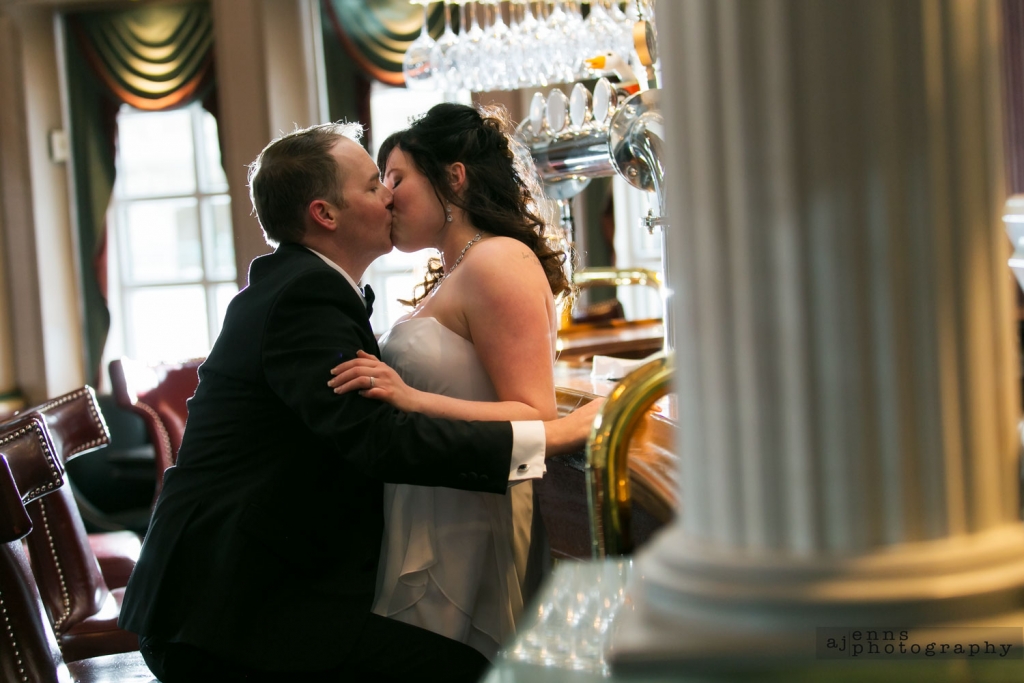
458,260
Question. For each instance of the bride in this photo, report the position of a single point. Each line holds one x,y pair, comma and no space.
478,345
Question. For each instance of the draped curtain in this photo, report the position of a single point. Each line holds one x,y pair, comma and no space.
376,33
150,57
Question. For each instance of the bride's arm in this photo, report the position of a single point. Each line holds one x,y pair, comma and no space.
512,321
505,302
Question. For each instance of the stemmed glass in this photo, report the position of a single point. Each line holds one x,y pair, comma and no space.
545,42
560,48
440,59
514,49
417,66
494,65
625,21
474,39
602,29
534,35
581,40
463,54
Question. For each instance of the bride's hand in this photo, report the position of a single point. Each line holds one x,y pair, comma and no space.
373,379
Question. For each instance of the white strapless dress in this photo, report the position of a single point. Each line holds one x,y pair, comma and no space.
451,561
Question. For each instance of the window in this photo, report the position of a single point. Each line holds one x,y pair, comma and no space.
395,275
170,252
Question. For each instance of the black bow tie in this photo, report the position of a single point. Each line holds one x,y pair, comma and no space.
369,296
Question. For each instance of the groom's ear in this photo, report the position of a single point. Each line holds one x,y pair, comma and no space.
322,214
457,176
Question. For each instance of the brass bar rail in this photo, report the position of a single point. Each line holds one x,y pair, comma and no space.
613,277
608,493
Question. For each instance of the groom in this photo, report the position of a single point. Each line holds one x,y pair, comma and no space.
261,559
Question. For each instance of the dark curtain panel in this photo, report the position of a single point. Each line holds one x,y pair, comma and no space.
376,33
150,57
348,86
93,134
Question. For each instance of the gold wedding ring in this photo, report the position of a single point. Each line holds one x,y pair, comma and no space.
372,382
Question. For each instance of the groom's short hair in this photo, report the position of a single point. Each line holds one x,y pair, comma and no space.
292,171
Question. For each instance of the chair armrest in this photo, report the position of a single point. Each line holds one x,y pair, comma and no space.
14,520
35,464
75,423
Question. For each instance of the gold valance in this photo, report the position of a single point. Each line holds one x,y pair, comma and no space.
152,57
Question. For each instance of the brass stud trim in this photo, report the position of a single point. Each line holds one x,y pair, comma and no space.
65,596
14,641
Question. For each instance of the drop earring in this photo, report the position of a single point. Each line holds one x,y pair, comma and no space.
448,212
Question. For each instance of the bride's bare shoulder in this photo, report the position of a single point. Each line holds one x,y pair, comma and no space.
506,252
504,269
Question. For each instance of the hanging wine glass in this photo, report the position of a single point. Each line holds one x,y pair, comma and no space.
559,39
625,20
461,54
514,48
494,63
531,64
440,60
577,29
535,33
484,54
474,54
417,66
602,29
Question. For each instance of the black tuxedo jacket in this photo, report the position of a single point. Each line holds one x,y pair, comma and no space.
264,542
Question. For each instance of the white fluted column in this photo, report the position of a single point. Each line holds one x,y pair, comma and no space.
846,361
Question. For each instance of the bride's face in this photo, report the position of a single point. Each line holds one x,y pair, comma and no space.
417,213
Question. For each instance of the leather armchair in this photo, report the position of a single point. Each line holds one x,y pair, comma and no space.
83,611
158,394
76,426
29,470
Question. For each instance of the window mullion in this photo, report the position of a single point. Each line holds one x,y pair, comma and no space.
198,158
127,285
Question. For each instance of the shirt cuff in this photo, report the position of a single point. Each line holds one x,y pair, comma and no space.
528,443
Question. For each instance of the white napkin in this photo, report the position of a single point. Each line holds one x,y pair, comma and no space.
607,367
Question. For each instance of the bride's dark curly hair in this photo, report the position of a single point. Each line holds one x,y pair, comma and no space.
495,196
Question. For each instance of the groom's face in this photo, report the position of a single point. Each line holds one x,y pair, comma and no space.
365,214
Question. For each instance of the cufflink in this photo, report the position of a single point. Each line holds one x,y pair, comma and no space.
522,469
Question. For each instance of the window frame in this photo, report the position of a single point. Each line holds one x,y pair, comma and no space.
121,285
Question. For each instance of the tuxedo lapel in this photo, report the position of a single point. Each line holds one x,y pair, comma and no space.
296,256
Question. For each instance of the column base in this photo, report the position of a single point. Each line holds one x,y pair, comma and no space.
692,607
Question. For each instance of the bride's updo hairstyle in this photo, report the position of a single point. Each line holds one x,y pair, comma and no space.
495,196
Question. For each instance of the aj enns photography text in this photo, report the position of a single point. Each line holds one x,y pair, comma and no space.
946,642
